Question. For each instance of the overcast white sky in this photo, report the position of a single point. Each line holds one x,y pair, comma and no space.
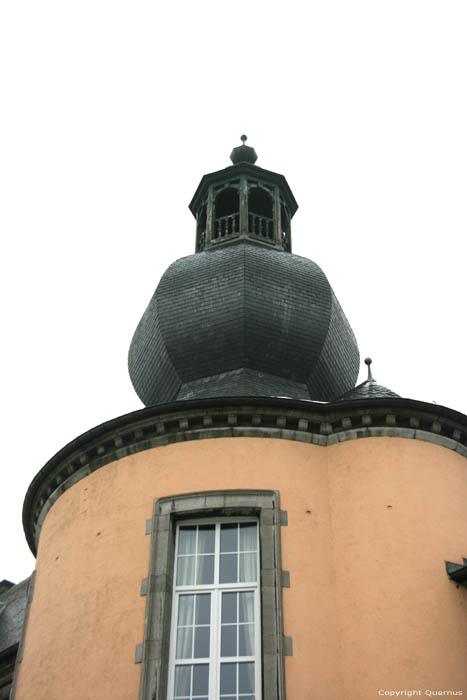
110,114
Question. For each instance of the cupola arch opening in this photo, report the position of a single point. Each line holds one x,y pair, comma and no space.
226,212
261,212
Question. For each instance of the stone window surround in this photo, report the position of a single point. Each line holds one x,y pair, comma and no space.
153,653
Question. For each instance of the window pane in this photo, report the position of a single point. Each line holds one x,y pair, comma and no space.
229,640
246,678
246,640
247,567
184,643
186,571
229,538
228,678
248,537
182,681
200,679
203,609
201,650
199,556
228,568
187,540
246,607
229,607
205,569
206,539
185,610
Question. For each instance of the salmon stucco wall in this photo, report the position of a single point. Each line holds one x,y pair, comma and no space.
369,609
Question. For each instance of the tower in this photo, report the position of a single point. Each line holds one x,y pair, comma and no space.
262,528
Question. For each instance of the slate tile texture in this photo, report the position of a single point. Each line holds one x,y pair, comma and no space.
243,319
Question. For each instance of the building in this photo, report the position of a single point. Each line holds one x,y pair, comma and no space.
262,528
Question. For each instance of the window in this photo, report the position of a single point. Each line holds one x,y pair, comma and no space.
214,598
215,636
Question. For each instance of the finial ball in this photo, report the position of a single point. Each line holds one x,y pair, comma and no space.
243,138
368,361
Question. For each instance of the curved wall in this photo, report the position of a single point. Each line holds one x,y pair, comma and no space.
370,607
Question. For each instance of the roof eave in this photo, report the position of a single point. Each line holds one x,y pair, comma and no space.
240,169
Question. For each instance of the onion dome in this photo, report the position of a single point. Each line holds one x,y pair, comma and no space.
369,389
243,316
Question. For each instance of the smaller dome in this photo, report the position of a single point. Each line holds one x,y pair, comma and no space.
243,154
369,389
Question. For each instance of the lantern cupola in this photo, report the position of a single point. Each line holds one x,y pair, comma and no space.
243,201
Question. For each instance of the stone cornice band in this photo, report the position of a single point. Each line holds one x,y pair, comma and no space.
303,421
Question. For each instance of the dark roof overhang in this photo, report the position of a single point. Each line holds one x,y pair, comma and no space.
247,169
457,572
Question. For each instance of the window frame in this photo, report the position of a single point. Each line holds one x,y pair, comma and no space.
213,505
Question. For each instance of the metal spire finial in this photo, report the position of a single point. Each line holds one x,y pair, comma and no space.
243,138
368,362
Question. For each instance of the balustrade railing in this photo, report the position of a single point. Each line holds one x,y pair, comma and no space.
226,225
261,226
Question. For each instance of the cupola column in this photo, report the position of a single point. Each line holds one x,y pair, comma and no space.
243,206
210,217
277,217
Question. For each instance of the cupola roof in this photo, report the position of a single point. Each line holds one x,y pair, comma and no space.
243,153
243,316
369,389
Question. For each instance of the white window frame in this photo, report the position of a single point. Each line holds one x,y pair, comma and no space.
216,589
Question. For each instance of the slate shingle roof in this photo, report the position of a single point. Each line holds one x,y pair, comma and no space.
369,389
243,319
12,606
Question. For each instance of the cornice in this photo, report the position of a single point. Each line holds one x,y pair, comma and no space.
287,419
